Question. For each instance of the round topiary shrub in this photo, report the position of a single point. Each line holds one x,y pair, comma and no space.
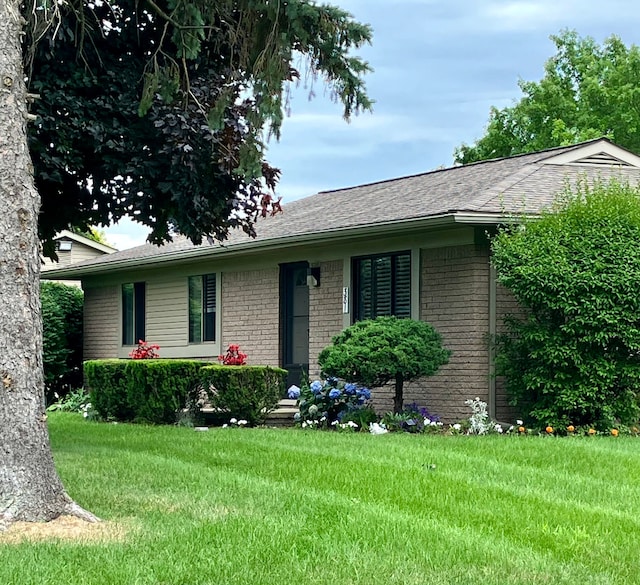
376,351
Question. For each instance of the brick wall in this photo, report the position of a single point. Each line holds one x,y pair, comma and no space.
325,311
101,322
250,314
454,298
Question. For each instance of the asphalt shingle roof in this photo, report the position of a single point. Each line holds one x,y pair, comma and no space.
524,183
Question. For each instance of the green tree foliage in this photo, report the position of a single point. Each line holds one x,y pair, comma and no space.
376,351
62,320
575,357
588,90
92,233
159,109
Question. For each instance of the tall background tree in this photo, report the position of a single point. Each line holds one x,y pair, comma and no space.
156,109
588,90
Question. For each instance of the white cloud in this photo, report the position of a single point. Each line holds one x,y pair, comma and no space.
126,234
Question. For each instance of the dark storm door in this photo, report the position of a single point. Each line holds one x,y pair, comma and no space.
294,315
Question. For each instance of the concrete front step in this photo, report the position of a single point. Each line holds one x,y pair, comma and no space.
282,416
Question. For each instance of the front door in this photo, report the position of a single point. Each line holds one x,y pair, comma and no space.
294,314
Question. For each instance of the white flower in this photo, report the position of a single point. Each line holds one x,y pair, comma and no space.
519,423
242,422
334,423
225,425
457,427
233,421
304,424
498,428
427,422
85,414
323,419
352,424
433,423
377,429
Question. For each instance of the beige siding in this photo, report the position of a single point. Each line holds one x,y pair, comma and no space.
167,312
325,311
101,322
79,252
250,314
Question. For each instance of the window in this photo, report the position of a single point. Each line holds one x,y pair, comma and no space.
133,312
382,286
202,308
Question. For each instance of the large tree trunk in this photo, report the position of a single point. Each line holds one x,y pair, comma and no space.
30,488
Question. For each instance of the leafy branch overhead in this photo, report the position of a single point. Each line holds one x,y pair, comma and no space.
159,109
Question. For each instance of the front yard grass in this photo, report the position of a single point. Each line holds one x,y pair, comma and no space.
264,506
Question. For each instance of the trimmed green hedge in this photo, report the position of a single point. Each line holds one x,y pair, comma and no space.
151,391
244,392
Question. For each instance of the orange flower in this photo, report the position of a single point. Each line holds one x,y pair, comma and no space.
571,428
549,429
614,432
592,431
521,429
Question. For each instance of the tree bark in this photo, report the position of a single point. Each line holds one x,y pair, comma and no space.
398,399
30,488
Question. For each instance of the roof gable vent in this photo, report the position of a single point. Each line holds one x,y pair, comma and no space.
602,159
600,153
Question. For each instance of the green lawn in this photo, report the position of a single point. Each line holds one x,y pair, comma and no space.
267,506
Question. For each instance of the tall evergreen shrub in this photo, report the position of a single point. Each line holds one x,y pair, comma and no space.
574,358
62,320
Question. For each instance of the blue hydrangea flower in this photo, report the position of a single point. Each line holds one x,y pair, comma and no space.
335,393
332,381
364,393
350,388
293,392
316,387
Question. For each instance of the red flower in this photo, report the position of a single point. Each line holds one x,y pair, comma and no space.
233,357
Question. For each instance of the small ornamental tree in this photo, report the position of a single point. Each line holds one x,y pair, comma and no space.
376,351
574,357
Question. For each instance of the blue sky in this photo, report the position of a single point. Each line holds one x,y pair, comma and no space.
438,68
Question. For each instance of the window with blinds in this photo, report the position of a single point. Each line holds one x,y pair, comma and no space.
133,313
202,308
382,285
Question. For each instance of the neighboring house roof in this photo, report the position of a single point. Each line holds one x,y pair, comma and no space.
72,249
480,193
67,235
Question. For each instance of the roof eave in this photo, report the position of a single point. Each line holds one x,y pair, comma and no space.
378,229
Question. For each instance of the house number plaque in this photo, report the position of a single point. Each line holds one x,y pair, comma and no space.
345,299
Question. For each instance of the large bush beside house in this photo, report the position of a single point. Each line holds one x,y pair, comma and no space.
151,391
574,357
376,351
244,392
62,319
